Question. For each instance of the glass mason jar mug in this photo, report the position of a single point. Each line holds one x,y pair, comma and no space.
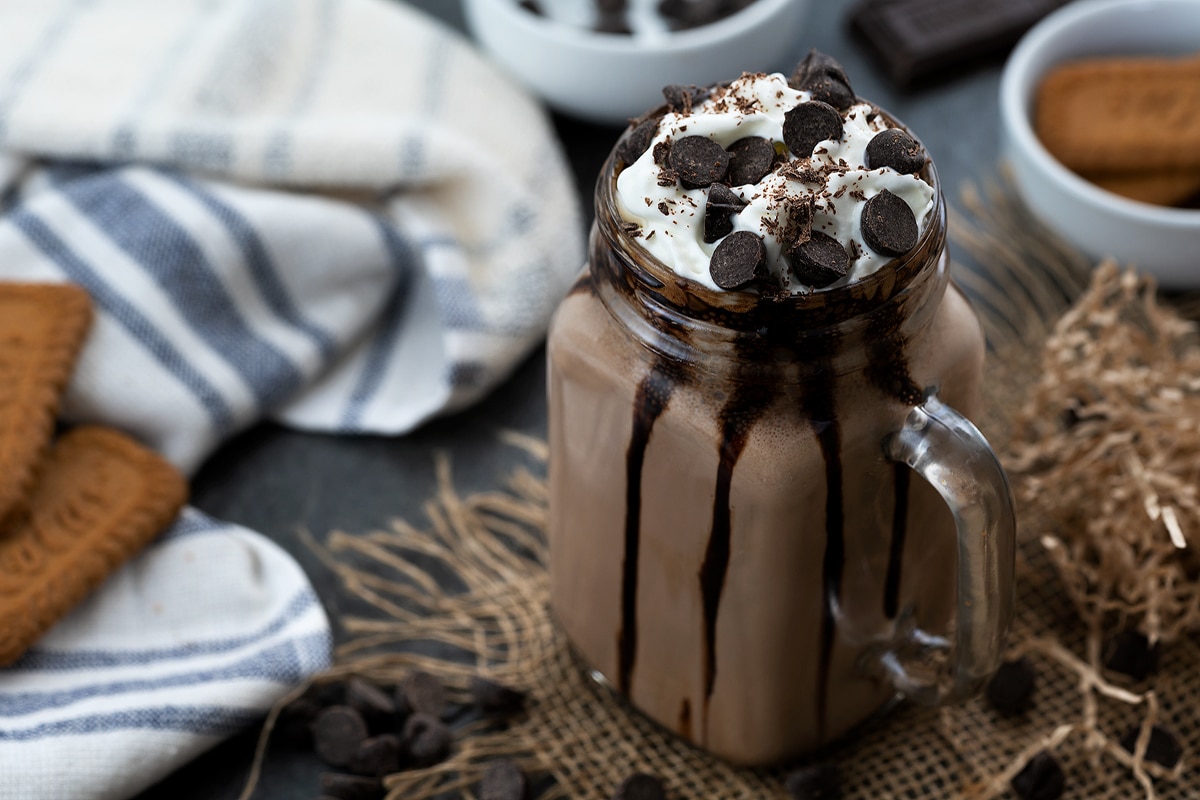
736,543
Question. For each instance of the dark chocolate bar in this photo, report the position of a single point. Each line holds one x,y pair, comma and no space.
918,40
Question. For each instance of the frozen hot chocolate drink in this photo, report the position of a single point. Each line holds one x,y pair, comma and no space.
764,348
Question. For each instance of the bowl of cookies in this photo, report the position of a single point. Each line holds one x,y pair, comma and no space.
607,61
1100,107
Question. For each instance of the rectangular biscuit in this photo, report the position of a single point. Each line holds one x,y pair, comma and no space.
99,498
1176,187
1121,113
42,329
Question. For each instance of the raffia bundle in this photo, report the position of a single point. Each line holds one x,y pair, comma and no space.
1107,449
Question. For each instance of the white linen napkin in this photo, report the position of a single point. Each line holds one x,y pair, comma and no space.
328,213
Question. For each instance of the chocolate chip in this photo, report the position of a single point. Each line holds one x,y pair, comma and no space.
1130,653
1010,691
817,64
640,786
672,8
809,123
638,141
503,780
750,159
423,692
824,79
1077,411
337,732
351,787
1163,748
492,697
720,206
1041,778
294,725
614,24
531,6
426,738
819,261
377,756
831,91
815,782
896,149
888,224
682,14
698,161
376,707
611,6
680,98
739,259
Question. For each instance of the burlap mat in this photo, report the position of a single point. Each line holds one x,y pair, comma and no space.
471,587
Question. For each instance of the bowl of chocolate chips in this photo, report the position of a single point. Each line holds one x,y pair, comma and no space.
606,61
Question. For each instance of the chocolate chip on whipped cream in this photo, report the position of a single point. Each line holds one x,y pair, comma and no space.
750,159
888,225
739,259
638,141
824,79
719,209
819,260
680,99
699,161
896,149
809,124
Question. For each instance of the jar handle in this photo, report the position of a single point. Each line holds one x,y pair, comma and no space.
955,459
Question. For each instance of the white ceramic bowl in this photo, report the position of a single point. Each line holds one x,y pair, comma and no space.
611,78
1161,241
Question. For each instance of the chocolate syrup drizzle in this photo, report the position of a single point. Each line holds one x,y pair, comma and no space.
891,587
891,376
822,411
684,727
741,411
653,394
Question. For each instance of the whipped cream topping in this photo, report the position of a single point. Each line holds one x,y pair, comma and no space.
669,218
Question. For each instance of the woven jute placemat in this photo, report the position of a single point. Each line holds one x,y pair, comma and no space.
466,592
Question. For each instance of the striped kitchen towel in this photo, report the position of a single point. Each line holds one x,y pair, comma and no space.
332,214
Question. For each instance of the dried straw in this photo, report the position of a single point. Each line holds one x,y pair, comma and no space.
1107,451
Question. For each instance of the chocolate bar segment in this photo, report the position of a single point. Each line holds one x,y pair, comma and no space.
918,40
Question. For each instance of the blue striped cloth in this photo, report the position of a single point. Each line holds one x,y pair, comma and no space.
332,214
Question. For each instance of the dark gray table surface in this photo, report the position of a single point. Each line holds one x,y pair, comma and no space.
280,482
